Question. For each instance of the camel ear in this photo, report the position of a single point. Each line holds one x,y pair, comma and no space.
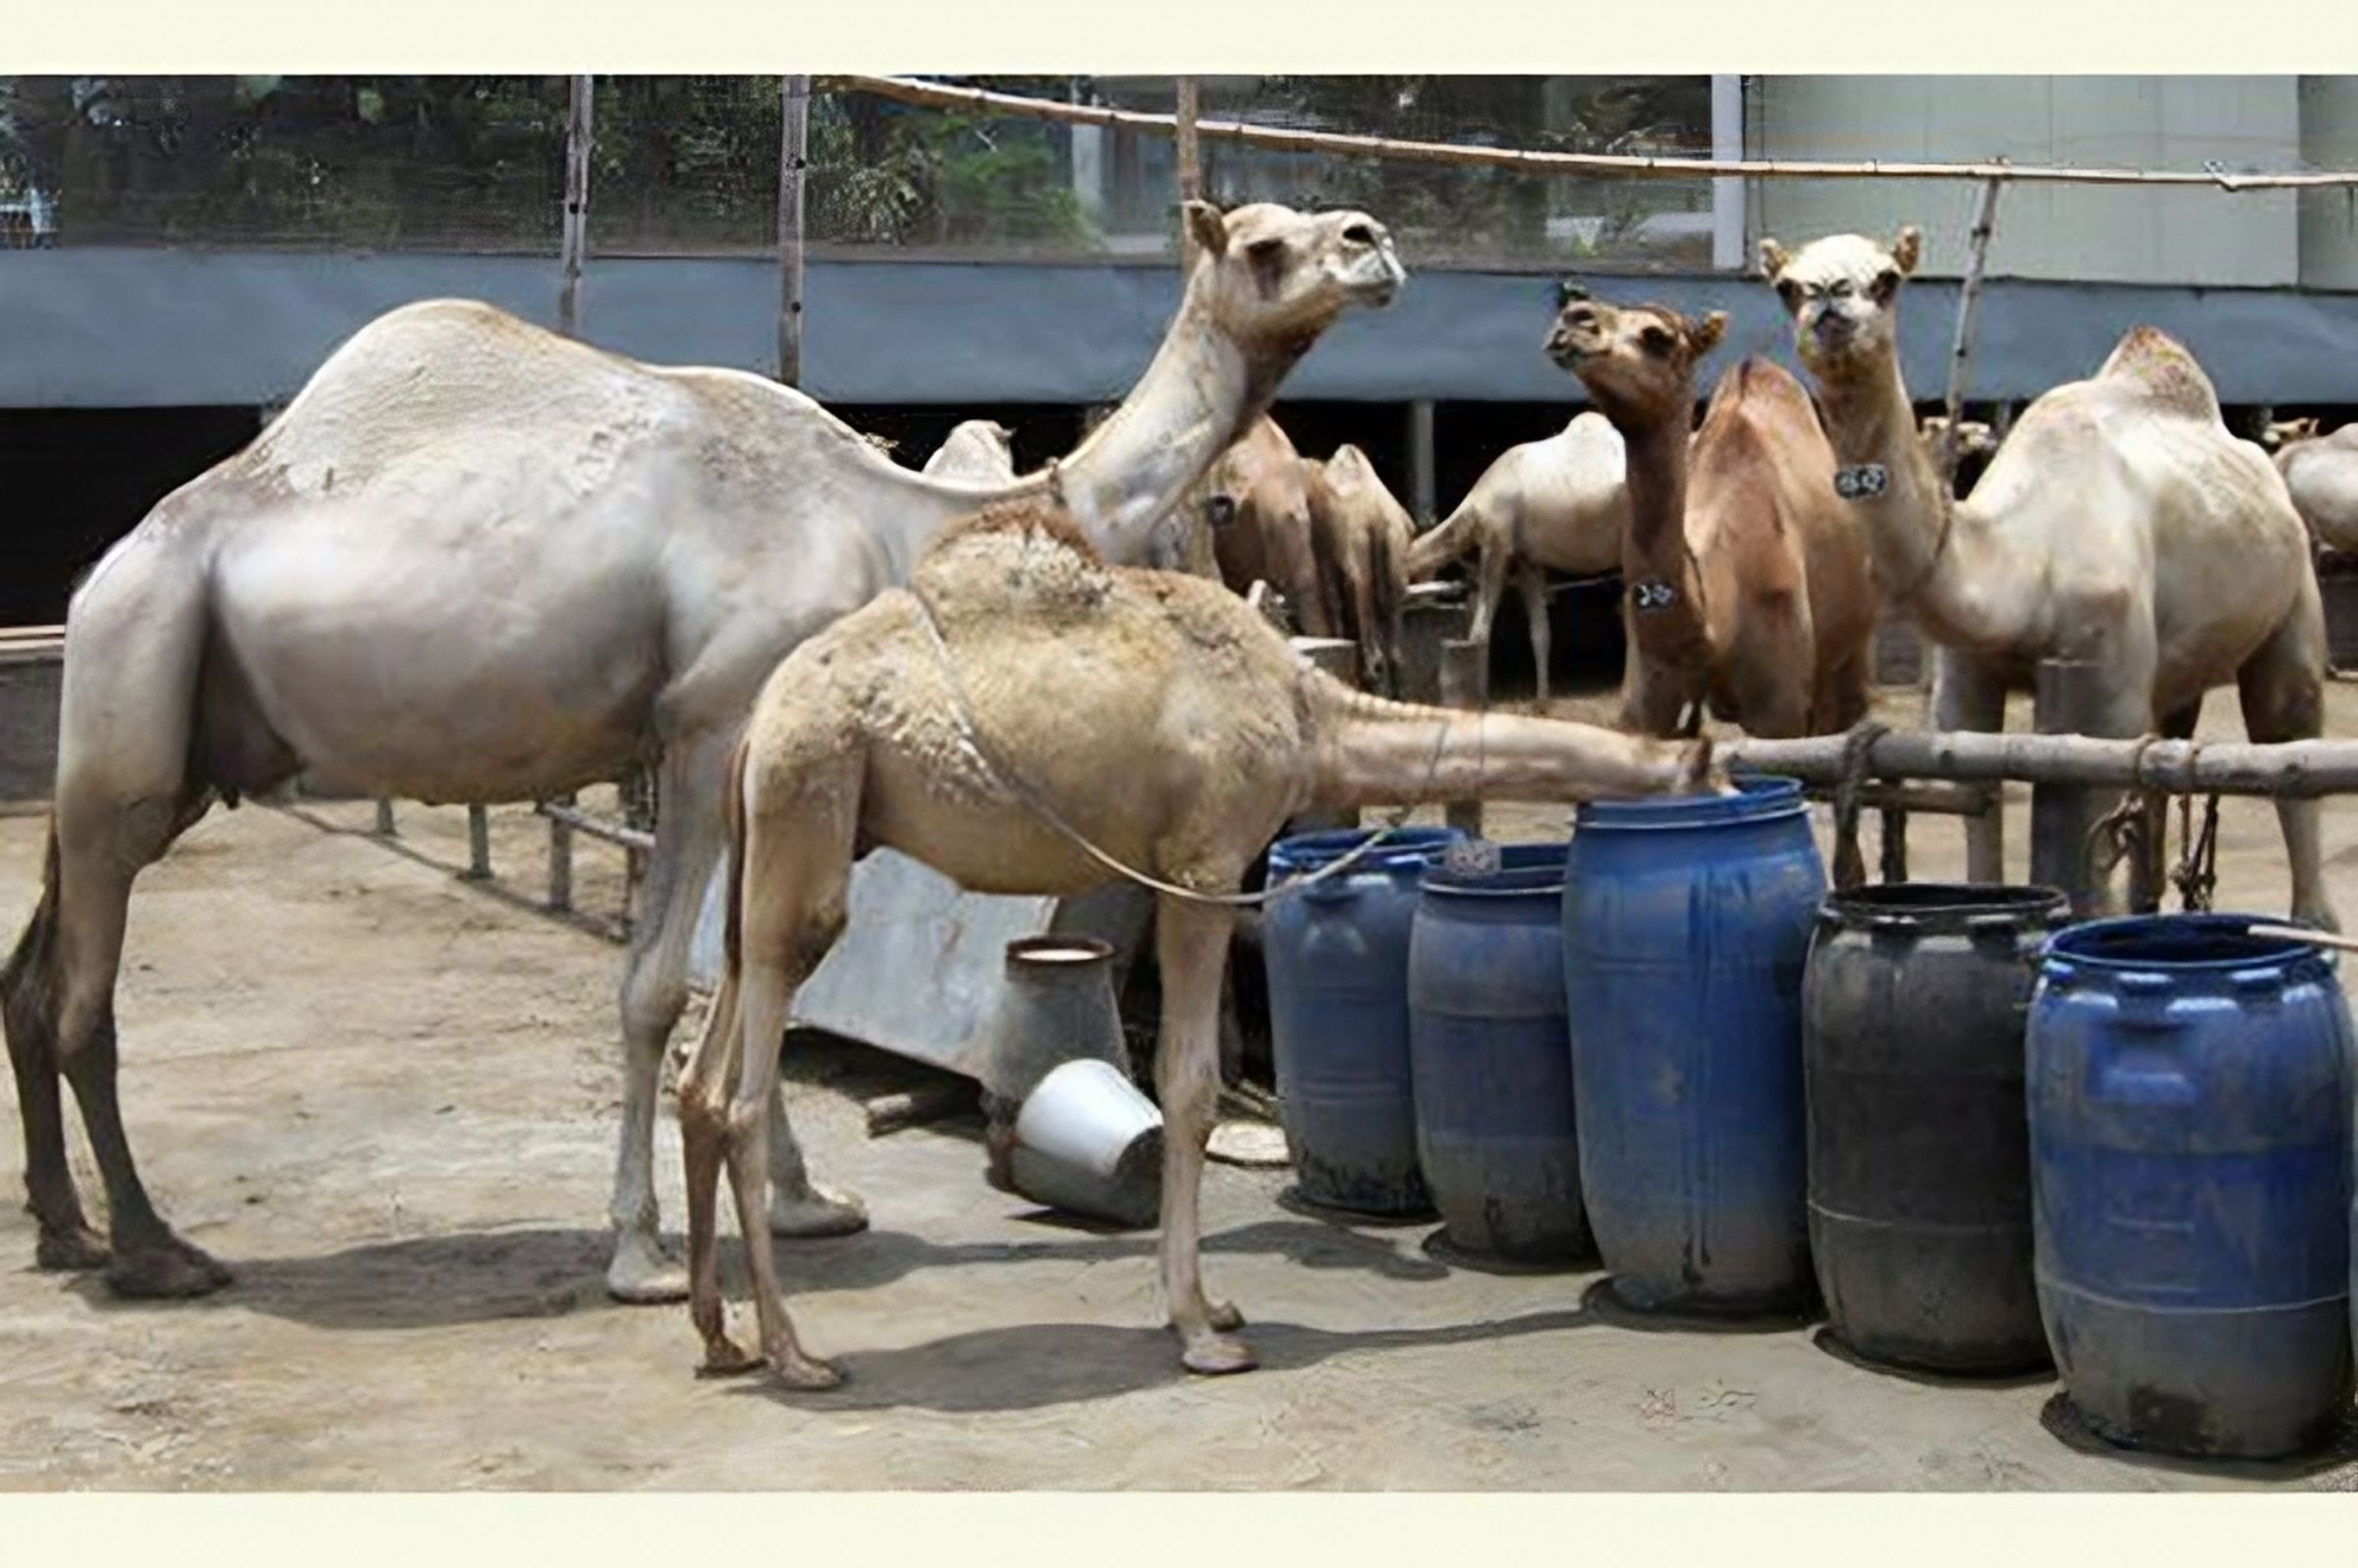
1773,257
1208,228
1704,335
1908,248
1567,290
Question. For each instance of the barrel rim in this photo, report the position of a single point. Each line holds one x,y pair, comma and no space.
1406,847
2069,948
1939,906
1541,871
1757,796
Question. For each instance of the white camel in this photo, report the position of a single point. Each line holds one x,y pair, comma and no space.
473,561
976,449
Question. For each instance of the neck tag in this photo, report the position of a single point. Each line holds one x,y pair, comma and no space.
1651,594
1861,480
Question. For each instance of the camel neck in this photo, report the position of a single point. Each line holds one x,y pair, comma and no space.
1201,392
1872,426
1668,625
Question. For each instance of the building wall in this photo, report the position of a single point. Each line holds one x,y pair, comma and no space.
93,327
2176,236
2330,218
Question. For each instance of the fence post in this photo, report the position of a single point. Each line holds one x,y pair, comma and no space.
479,845
2069,697
1420,485
792,162
385,819
560,860
1465,684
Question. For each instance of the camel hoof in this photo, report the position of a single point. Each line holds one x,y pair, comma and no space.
819,1213
725,1360
172,1269
642,1276
807,1373
79,1248
1216,1354
1224,1316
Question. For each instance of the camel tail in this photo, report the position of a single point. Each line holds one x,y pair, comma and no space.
27,981
1443,544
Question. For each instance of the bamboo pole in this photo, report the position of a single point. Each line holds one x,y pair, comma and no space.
2284,770
1960,351
793,162
1639,166
577,204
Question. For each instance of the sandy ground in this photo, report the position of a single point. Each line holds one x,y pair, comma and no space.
388,1098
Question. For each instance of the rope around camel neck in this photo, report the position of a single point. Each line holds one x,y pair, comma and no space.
970,737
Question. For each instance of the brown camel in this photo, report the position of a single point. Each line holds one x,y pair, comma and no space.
2119,522
1558,505
1256,501
1020,699
1363,534
1747,585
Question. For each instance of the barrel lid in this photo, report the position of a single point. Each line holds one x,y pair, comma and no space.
1947,906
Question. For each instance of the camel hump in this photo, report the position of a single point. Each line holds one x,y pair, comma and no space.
2160,365
1756,388
1349,462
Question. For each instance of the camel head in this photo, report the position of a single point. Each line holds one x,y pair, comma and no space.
1272,277
1842,293
1635,360
1975,438
2286,432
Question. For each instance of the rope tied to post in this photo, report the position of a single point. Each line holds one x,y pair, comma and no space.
2120,833
2197,874
1850,865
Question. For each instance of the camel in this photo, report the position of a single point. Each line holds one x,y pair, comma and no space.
1557,505
1747,585
2120,522
1018,700
1256,502
975,449
473,561
2321,473
1362,535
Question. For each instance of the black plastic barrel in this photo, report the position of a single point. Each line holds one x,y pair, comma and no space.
1497,1140
1913,1007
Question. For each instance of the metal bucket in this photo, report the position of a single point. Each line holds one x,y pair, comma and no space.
1088,1141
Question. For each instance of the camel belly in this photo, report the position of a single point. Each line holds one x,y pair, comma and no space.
387,668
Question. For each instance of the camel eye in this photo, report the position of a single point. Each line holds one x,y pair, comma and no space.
1789,291
1886,284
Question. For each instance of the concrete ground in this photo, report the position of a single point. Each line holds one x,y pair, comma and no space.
388,1097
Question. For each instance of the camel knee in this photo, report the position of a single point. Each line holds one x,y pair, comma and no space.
651,1005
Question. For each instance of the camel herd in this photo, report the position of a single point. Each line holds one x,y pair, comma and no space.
475,562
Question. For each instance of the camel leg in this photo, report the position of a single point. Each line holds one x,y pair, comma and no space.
28,1001
1967,696
1489,585
93,904
797,866
1192,950
704,1130
1534,583
2282,689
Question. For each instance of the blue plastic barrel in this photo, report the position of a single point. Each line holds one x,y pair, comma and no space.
2190,1175
1336,954
1492,1062
1686,927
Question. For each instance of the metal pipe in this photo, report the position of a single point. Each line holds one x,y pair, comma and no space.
479,845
